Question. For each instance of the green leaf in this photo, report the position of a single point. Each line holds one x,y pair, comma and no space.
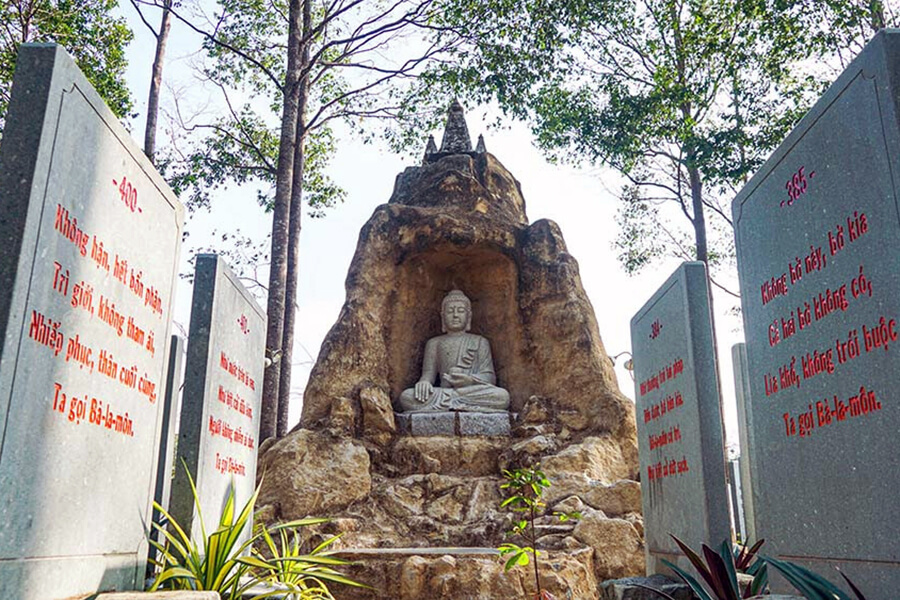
810,584
698,589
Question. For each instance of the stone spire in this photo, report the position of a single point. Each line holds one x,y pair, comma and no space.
456,133
430,148
480,147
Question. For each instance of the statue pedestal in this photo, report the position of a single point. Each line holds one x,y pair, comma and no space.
454,423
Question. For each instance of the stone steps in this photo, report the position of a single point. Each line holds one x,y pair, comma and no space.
462,573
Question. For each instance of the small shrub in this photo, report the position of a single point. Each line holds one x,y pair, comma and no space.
527,486
718,572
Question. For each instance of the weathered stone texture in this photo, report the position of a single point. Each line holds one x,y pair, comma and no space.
312,473
476,457
460,222
449,577
432,480
618,547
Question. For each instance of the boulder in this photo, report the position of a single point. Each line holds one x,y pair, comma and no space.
597,458
618,548
378,415
313,473
617,499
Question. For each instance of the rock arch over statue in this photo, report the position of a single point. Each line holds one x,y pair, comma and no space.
403,482
458,221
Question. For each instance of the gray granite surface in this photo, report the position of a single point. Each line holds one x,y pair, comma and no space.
218,435
91,237
680,444
817,232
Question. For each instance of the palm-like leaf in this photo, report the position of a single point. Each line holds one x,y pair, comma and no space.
811,585
222,563
744,557
859,594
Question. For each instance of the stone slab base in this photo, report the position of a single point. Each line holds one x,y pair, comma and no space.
625,589
159,596
454,423
462,574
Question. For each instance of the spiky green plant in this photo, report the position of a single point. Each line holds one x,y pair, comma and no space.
290,566
220,562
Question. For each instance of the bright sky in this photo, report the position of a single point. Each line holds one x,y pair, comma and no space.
579,201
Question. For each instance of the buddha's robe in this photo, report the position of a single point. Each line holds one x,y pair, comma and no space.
458,354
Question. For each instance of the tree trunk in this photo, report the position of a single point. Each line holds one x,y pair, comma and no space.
156,81
699,217
293,254
280,226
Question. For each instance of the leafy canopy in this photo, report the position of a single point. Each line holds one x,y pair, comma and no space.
85,28
685,98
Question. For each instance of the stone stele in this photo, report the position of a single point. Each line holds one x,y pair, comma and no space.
680,430
91,236
816,231
220,419
423,488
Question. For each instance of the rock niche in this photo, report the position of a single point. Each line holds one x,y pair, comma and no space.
416,494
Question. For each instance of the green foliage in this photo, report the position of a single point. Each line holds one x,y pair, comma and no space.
222,563
811,585
685,99
526,487
288,564
241,148
87,30
718,571
357,61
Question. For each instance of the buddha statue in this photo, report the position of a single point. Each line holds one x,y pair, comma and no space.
462,361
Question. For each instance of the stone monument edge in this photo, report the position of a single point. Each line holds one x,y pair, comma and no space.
20,153
661,291
197,364
65,62
226,271
886,41
225,274
706,381
174,382
745,433
45,73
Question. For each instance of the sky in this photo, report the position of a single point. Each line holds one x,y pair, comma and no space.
581,201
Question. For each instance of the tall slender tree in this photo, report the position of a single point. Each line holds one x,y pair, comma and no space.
323,61
156,74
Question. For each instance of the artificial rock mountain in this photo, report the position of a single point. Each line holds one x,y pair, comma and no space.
458,221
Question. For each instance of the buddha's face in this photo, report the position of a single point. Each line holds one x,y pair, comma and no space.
455,316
